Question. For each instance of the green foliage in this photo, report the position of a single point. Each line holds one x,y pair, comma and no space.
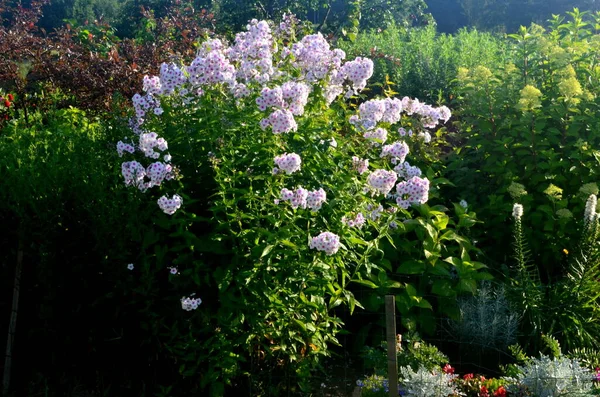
530,123
422,63
374,386
59,188
412,352
566,308
334,16
590,358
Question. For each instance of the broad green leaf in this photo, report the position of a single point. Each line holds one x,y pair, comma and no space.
411,267
366,283
443,287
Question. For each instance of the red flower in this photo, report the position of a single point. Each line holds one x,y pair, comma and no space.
7,103
448,369
500,392
483,392
468,376
10,97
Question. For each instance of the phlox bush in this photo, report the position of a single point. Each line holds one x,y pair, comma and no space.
273,199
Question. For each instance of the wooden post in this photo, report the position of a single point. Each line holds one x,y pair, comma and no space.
392,354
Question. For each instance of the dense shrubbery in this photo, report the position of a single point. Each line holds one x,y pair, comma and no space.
530,137
89,62
420,62
280,172
270,191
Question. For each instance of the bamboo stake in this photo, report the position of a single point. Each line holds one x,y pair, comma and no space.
13,317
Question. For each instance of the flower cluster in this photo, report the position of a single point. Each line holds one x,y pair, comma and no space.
171,78
291,95
280,121
413,191
149,141
404,133
211,68
170,205
326,242
517,211
142,104
358,72
358,221
303,198
245,67
289,163
377,136
407,171
134,174
397,151
315,199
590,207
124,147
314,58
189,303
252,51
382,181
389,110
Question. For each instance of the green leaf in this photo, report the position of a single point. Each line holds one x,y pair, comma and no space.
423,304
366,283
300,324
452,236
453,260
267,250
335,301
465,285
443,288
483,276
411,290
288,243
411,267
403,303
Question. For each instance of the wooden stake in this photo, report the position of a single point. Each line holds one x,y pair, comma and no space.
13,317
390,326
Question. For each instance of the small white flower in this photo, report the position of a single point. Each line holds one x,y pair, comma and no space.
517,211
130,266
173,270
158,111
463,204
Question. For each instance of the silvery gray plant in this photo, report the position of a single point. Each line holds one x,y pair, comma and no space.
425,383
486,319
551,377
